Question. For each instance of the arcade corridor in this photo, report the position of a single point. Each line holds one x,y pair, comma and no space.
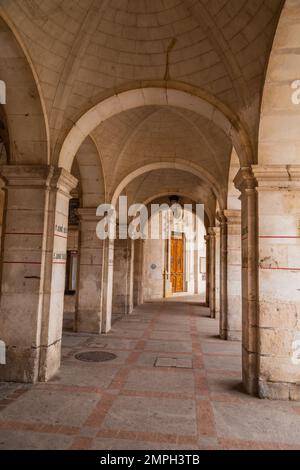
173,385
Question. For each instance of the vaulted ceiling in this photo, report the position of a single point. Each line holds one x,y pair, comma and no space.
82,51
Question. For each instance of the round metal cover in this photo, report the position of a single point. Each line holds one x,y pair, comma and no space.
95,356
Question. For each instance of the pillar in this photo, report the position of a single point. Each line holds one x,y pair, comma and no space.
212,271
33,270
278,343
223,276
217,231
90,282
123,277
107,285
138,272
246,183
207,274
270,247
232,330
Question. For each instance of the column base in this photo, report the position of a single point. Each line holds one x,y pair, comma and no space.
87,321
30,365
279,390
231,335
50,358
122,305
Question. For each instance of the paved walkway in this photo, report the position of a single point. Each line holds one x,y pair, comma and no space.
173,385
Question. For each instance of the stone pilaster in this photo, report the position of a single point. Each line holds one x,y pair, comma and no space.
33,270
233,328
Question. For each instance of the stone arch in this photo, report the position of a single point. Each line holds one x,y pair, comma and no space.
177,164
159,252
208,212
279,137
91,174
25,111
156,93
233,201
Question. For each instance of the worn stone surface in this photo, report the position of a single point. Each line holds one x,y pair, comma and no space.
130,404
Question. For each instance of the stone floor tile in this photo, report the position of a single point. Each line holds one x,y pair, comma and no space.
169,416
175,381
251,422
17,440
51,407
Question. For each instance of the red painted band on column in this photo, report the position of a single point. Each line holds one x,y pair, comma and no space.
279,268
289,237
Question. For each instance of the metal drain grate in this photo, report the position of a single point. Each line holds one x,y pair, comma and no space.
95,356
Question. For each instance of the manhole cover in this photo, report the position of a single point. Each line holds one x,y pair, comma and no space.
95,356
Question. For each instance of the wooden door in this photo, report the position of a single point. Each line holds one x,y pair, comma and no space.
177,264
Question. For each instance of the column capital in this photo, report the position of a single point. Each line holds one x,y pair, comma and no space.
245,179
37,176
274,176
61,179
25,175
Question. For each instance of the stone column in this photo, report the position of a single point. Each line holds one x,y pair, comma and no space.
33,270
123,277
138,272
212,272
217,231
233,328
223,276
107,288
279,281
207,293
90,282
246,183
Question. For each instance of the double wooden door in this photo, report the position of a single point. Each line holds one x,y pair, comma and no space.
177,263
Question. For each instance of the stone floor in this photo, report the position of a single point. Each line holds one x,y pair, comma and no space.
173,385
